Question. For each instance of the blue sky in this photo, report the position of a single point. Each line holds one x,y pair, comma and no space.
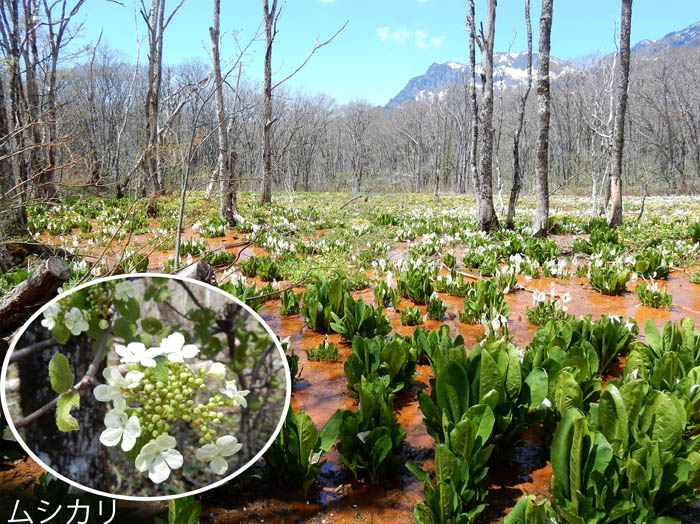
385,43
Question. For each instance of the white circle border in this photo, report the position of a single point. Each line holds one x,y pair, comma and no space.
20,440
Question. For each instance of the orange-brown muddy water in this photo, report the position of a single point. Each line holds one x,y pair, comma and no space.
323,390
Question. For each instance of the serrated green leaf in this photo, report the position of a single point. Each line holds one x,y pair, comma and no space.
160,371
60,373
64,420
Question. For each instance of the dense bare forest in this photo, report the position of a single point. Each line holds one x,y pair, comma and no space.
113,128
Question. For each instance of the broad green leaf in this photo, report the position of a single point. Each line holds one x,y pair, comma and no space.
308,435
124,329
60,333
60,373
421,475
667,427
185,510
567,393
613,420
189,514
64,420
652,336
490,377
151,325
560,450
514,378
485,420
129,310
452,390
331,430
538,383
445,463
577,456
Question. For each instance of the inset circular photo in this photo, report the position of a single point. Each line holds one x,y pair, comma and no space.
145,386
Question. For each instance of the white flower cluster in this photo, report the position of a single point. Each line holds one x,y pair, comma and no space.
125,424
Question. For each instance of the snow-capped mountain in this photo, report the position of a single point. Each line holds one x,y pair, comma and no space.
509,69
690,36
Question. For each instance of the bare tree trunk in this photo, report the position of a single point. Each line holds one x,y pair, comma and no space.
474,134
517,176
615,210
228,206
270,18
539,226
487,219
156,26
55,44
13,215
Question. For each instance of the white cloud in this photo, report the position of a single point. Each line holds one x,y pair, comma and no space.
327,1
420,37
386,34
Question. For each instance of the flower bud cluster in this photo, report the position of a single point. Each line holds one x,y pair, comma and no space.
155,394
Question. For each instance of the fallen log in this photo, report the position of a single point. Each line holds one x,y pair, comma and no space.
19,251
28,296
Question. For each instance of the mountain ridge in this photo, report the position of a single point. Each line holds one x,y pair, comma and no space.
511,68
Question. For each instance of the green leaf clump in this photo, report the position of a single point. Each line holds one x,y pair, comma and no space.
370,438
376,357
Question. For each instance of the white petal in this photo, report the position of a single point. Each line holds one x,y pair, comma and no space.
103,393
190,351
175,356
218,465
133,378
136,348
165,442
122,351
111,436
172,457
145,457
206,452
227,445
153,352
115,418
147,362
159,470
128,441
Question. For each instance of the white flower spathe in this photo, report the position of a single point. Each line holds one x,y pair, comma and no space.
362,435
175,348
214,453
123,291
76,321
314,458
217,371
231,391
546,404
120,427
158,457
115,383
50,315
136,352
